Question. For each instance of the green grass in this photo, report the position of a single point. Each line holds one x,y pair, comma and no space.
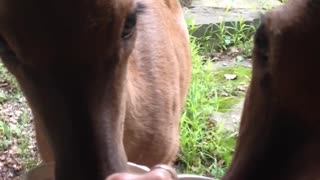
206,147
10,88
24,142
223,36
14,133
7,131
229,91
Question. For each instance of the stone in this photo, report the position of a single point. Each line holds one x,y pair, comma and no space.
236,4
213,12
205,15
185,3
230,119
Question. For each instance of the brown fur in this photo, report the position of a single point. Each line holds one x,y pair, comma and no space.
99,100
280,127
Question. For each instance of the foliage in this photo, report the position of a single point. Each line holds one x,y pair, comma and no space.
206,147
221,37
15,137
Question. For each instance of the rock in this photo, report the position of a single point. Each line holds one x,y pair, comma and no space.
247,4
230,76
213,16
185,3
214,12
230,119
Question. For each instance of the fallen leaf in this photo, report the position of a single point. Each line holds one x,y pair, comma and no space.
234,52
239,59
242,88
221,162
230,76
2,157
215,58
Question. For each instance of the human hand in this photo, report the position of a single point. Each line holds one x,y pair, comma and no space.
158,172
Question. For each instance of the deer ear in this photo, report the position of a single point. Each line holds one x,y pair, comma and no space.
261,44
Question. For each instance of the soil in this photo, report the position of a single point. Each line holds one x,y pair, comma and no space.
185,3
12,159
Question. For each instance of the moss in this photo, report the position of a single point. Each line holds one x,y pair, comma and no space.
231,91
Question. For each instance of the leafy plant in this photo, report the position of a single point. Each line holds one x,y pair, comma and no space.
206,147
203,143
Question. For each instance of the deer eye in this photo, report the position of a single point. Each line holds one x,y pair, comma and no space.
129,26
131,22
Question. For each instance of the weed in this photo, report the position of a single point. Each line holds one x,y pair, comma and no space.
236,87
5,135
205,147
222,36
7,77
24,143
8,85
15,133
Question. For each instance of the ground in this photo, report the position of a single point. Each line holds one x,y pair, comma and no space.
17,141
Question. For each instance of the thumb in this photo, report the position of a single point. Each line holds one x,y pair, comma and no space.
156,174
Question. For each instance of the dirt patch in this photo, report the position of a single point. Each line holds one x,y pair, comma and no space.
185,3
18,150
230,58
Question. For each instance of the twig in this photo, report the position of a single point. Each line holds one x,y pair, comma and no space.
3,85
15,159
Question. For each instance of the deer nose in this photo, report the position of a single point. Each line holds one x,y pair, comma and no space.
2,45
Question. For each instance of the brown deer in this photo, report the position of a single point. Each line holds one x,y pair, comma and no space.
279,136
106,79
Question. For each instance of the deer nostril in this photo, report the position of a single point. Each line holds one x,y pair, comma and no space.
7,55
5,49
2,45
